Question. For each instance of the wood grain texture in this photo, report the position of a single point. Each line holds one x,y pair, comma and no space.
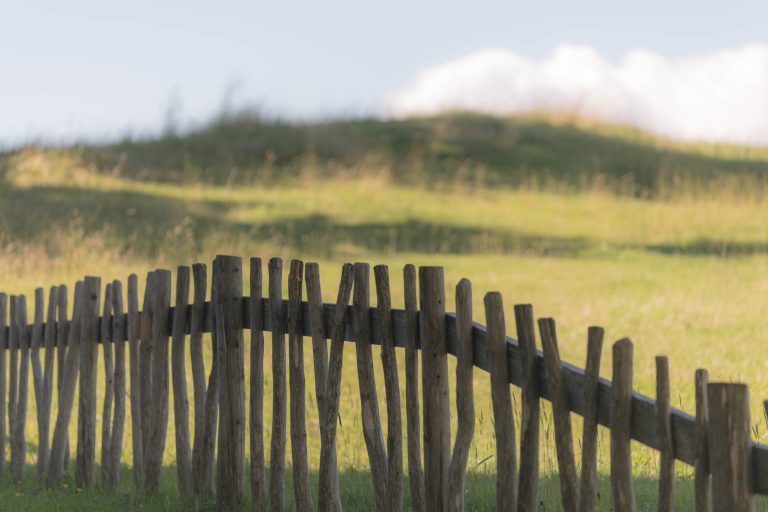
109,384
301,490
63,325
258,475
196,328
13,375
667,453
3,389
71,369
730,444
320,363
434,364
392,390
588,491
204,485
145,369
369,404
503,421
528,485
621,421
43,449
20,420
412,414
277,443
701,434
179,382
118,419
133,328
85,474
228,275
37,373
465,405
569,491
155,447
327,501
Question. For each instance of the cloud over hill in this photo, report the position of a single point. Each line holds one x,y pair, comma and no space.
721,96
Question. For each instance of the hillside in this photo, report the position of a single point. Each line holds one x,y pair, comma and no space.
461,148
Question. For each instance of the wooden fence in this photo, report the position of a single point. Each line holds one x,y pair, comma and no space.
729,467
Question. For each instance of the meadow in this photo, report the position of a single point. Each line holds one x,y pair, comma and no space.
663,242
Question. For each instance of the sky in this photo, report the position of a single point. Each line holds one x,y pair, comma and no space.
93,69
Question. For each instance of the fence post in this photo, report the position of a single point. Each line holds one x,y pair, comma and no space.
730,447
86,432
437,427
228,275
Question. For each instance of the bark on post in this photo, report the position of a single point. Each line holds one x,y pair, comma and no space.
464,400
437,426
664,426
369,404
413,419
62,343
392,390
179,378
258,476
86,432
109,383
588,494
196,327
59,444
145,370
569,491
503,422
228,275
134,326
277,444
3,351
730,447
528,485
320,360
327,501
301,491
37,372
118,420
701,435
158,428
43,451
621,420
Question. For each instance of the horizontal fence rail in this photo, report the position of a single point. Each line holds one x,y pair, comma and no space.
298,319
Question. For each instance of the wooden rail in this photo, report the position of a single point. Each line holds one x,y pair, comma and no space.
668,430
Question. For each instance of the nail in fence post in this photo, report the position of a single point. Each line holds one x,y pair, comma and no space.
730,447
437,429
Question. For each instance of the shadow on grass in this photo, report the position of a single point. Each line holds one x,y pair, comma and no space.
148,224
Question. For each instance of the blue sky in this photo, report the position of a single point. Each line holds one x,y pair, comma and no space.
101,69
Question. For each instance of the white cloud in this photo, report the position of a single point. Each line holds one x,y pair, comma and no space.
721,96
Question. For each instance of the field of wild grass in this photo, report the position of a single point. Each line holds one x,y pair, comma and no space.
661,242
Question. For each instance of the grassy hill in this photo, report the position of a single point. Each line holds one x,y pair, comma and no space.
664,242
460,148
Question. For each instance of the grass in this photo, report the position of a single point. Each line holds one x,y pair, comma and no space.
662,242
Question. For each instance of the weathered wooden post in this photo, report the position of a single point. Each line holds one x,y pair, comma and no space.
228,275
86,418
730,447
437,427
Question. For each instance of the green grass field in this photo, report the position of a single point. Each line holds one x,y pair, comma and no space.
662,242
